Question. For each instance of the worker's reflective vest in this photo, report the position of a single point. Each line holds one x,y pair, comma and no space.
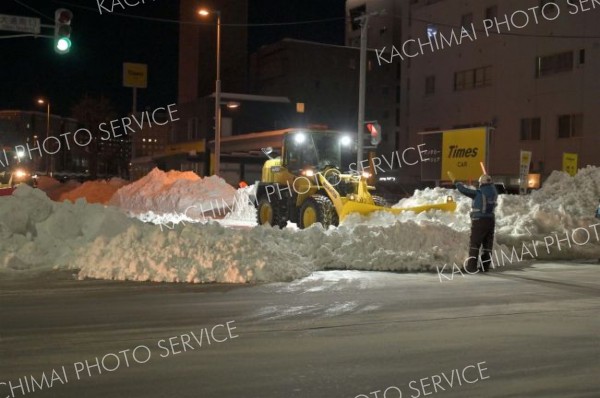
484,200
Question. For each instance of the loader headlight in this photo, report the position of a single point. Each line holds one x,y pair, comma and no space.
20,173
300,138
346,140
366,174
308,172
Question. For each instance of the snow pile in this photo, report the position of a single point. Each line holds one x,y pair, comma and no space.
564,203
46,182
243,205
214,253
175,192
101,242
37,233
54,189
94,191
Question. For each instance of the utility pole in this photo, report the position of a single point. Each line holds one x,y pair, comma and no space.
362,86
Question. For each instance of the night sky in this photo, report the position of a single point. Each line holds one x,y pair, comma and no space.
30,68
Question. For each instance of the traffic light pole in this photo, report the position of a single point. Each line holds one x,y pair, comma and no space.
364,29
362,86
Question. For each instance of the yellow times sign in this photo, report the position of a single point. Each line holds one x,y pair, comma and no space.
462,152
135,75
570,163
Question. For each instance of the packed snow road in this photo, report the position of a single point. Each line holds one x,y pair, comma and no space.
531,332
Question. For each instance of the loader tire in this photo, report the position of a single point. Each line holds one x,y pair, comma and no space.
379,201
272,212
317,209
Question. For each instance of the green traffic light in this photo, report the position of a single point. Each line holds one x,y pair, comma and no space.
63,45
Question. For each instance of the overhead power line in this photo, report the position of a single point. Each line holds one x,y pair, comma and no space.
174,21
33,10
292,23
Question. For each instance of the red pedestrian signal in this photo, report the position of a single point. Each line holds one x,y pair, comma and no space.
375,131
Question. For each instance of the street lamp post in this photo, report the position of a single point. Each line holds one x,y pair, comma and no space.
205,12
362,85
42,101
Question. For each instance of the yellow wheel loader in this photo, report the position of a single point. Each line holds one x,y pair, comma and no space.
306,185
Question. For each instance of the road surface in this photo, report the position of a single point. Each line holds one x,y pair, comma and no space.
532,332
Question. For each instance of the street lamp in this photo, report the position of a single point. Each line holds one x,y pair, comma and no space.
203,12
42,101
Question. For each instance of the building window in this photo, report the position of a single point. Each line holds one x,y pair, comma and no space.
466,20
491,12
581,56
570,126
531,129
192,129
555,63
355,13
473,78
429,85
432,30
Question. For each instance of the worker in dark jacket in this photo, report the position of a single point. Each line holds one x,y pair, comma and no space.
598,211
483,222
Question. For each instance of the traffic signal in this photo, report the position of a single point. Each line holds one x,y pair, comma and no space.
375,130
62,30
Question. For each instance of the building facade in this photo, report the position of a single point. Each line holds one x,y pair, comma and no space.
187,144
530,78
322,80
29,129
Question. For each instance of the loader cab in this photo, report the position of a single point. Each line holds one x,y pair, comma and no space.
318,150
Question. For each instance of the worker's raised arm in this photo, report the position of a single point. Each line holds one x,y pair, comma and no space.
471,193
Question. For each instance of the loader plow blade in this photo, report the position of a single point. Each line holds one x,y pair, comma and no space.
365,209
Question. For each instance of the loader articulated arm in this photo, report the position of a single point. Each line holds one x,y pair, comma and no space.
333,194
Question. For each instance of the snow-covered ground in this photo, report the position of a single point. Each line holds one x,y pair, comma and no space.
104,242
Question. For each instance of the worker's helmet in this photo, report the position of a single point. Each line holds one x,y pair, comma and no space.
485,179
